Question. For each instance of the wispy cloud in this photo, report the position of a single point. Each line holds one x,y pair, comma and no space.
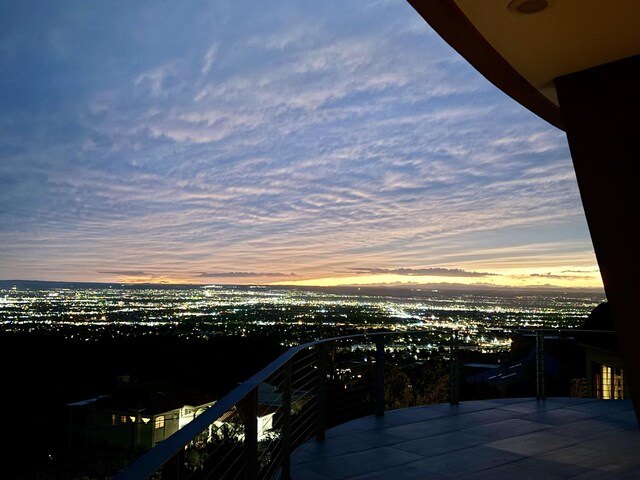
245,274
297,141
436,272
209,58
157,79
125,272
552,276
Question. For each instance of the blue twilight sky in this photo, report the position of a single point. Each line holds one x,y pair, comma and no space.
284,141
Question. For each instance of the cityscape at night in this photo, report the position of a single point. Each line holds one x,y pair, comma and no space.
293,314
319,240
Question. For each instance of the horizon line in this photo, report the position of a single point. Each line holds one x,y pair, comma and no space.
406,286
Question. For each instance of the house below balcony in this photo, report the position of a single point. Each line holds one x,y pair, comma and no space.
135,416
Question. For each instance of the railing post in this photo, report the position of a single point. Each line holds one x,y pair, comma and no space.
321,391
454,369
286,423
540,393
250,413
379,376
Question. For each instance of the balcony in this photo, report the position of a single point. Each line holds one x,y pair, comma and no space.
521,438
329,410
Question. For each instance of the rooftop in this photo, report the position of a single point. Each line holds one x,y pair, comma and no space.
523,438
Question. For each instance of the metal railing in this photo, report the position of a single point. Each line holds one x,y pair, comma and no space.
251,432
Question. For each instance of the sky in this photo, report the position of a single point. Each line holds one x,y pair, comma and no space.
290,141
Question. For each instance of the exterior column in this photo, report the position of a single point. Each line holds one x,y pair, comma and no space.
601,114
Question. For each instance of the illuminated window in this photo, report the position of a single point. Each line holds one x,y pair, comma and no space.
123,419
618,384
160,421
113,419
606,382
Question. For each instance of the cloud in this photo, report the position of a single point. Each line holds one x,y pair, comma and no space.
554,276
298,140
245,274
156,79
209,58
125,272
437,272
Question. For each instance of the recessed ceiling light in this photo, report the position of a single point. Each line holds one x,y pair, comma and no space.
528,6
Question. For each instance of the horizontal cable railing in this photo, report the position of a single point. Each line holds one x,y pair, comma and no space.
252,431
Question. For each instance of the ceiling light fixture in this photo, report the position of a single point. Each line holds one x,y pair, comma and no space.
528,6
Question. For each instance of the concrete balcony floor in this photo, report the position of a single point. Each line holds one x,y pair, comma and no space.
520,438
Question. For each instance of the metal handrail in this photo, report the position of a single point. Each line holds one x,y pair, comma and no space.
154,459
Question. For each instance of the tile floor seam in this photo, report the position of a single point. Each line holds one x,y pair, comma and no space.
432,456
501,465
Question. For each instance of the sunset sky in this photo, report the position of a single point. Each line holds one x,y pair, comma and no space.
311,143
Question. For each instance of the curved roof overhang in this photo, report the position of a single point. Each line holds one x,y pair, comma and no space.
523,53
